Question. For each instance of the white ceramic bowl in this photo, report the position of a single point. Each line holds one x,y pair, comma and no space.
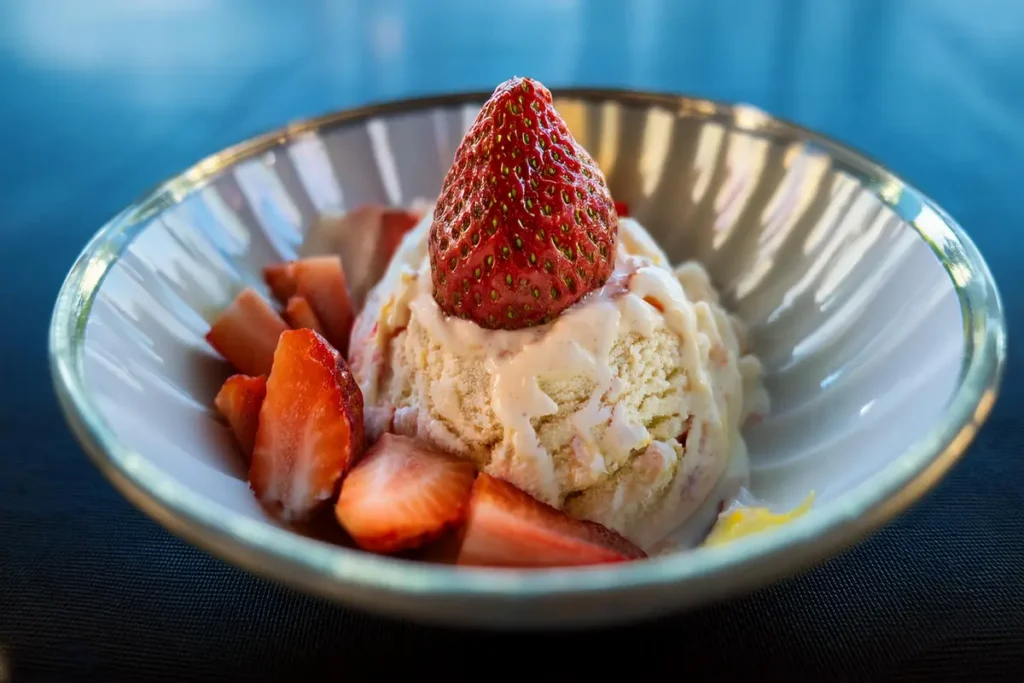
877,320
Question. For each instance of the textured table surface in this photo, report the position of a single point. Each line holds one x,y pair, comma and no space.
100,99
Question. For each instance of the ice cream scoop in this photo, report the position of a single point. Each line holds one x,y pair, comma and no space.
624,410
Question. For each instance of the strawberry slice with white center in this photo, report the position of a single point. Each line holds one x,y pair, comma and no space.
507,527
310,427
246,333
239,401
402,494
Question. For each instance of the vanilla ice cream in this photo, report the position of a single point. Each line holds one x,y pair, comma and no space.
625,410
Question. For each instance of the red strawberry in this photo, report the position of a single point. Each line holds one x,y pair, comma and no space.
525,225
321,281
299,314
506,527
311,426
622,208
403,494
280,278
246,333
394,224
239,401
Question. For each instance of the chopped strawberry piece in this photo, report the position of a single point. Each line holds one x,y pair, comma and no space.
403,494
299,315
311,426
280,278
239,401
506,527
356,230
246,333
394,224
622,208
321,281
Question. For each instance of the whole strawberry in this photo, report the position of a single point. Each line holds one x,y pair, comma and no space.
525,225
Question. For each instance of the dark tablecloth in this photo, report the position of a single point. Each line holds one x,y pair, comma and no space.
100,99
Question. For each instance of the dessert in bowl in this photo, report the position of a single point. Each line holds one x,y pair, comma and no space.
522,400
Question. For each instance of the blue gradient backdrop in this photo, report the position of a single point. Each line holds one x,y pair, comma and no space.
100,99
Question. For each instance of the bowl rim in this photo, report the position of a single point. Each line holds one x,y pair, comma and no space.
281,554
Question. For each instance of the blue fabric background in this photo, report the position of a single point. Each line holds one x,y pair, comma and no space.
100,99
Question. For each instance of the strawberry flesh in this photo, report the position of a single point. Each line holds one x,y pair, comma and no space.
525,225
280,278
394,224
506,527
239,401
246,333
310,427
299,315
403,494
321,281
622,209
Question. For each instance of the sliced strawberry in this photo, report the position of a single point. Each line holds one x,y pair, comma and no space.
506,527
239,401
622,208
394,224
321,281
299,315
280,278
524,226
311,426
403,494
246,333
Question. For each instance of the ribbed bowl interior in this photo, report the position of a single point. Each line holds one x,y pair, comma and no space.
856,321
852,311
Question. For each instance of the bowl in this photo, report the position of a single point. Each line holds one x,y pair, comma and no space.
877,320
